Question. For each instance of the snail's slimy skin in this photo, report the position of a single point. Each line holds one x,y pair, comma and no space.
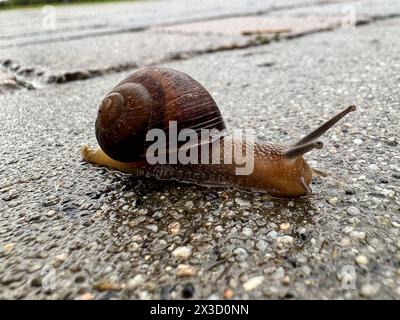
272,173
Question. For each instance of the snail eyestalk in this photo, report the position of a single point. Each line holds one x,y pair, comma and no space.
302,149
325,127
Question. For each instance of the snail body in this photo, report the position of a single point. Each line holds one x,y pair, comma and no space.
153,97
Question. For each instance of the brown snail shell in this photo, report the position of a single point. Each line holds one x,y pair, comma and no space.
147,99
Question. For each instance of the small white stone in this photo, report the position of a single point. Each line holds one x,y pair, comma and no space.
240,254
136,281
395,224
144,295
152,227
253,283
50,213
247,231
345,242
272,234
373,167
362,260
388,193
182,252
347,229
284,240
357,141
284,226
261,245
353,211
60,257
242,203
369,290
358,235
189,204
333,201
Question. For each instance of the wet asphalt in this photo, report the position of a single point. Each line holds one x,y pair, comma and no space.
69,230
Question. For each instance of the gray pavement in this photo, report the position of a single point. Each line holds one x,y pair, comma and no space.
73,231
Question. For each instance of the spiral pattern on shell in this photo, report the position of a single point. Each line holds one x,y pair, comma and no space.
147,99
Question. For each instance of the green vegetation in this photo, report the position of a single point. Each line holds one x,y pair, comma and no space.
11,4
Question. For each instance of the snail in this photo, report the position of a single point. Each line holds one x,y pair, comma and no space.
153,98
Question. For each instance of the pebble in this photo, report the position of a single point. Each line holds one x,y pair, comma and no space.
228,294
373,167
362,260
369,290
333,201
174,227
242,203
357,141
142,212
345,242
8,247
34,268
144,295
353,211
59,259
273,234
284,240
261,245
395,224
253,283
107,285
358,235
86,296
182,252
185,270
152,227
247,231
136,281
240,254
50,213
285,280
284,226
347,229
189,204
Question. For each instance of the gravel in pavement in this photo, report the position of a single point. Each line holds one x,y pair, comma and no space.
72,230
